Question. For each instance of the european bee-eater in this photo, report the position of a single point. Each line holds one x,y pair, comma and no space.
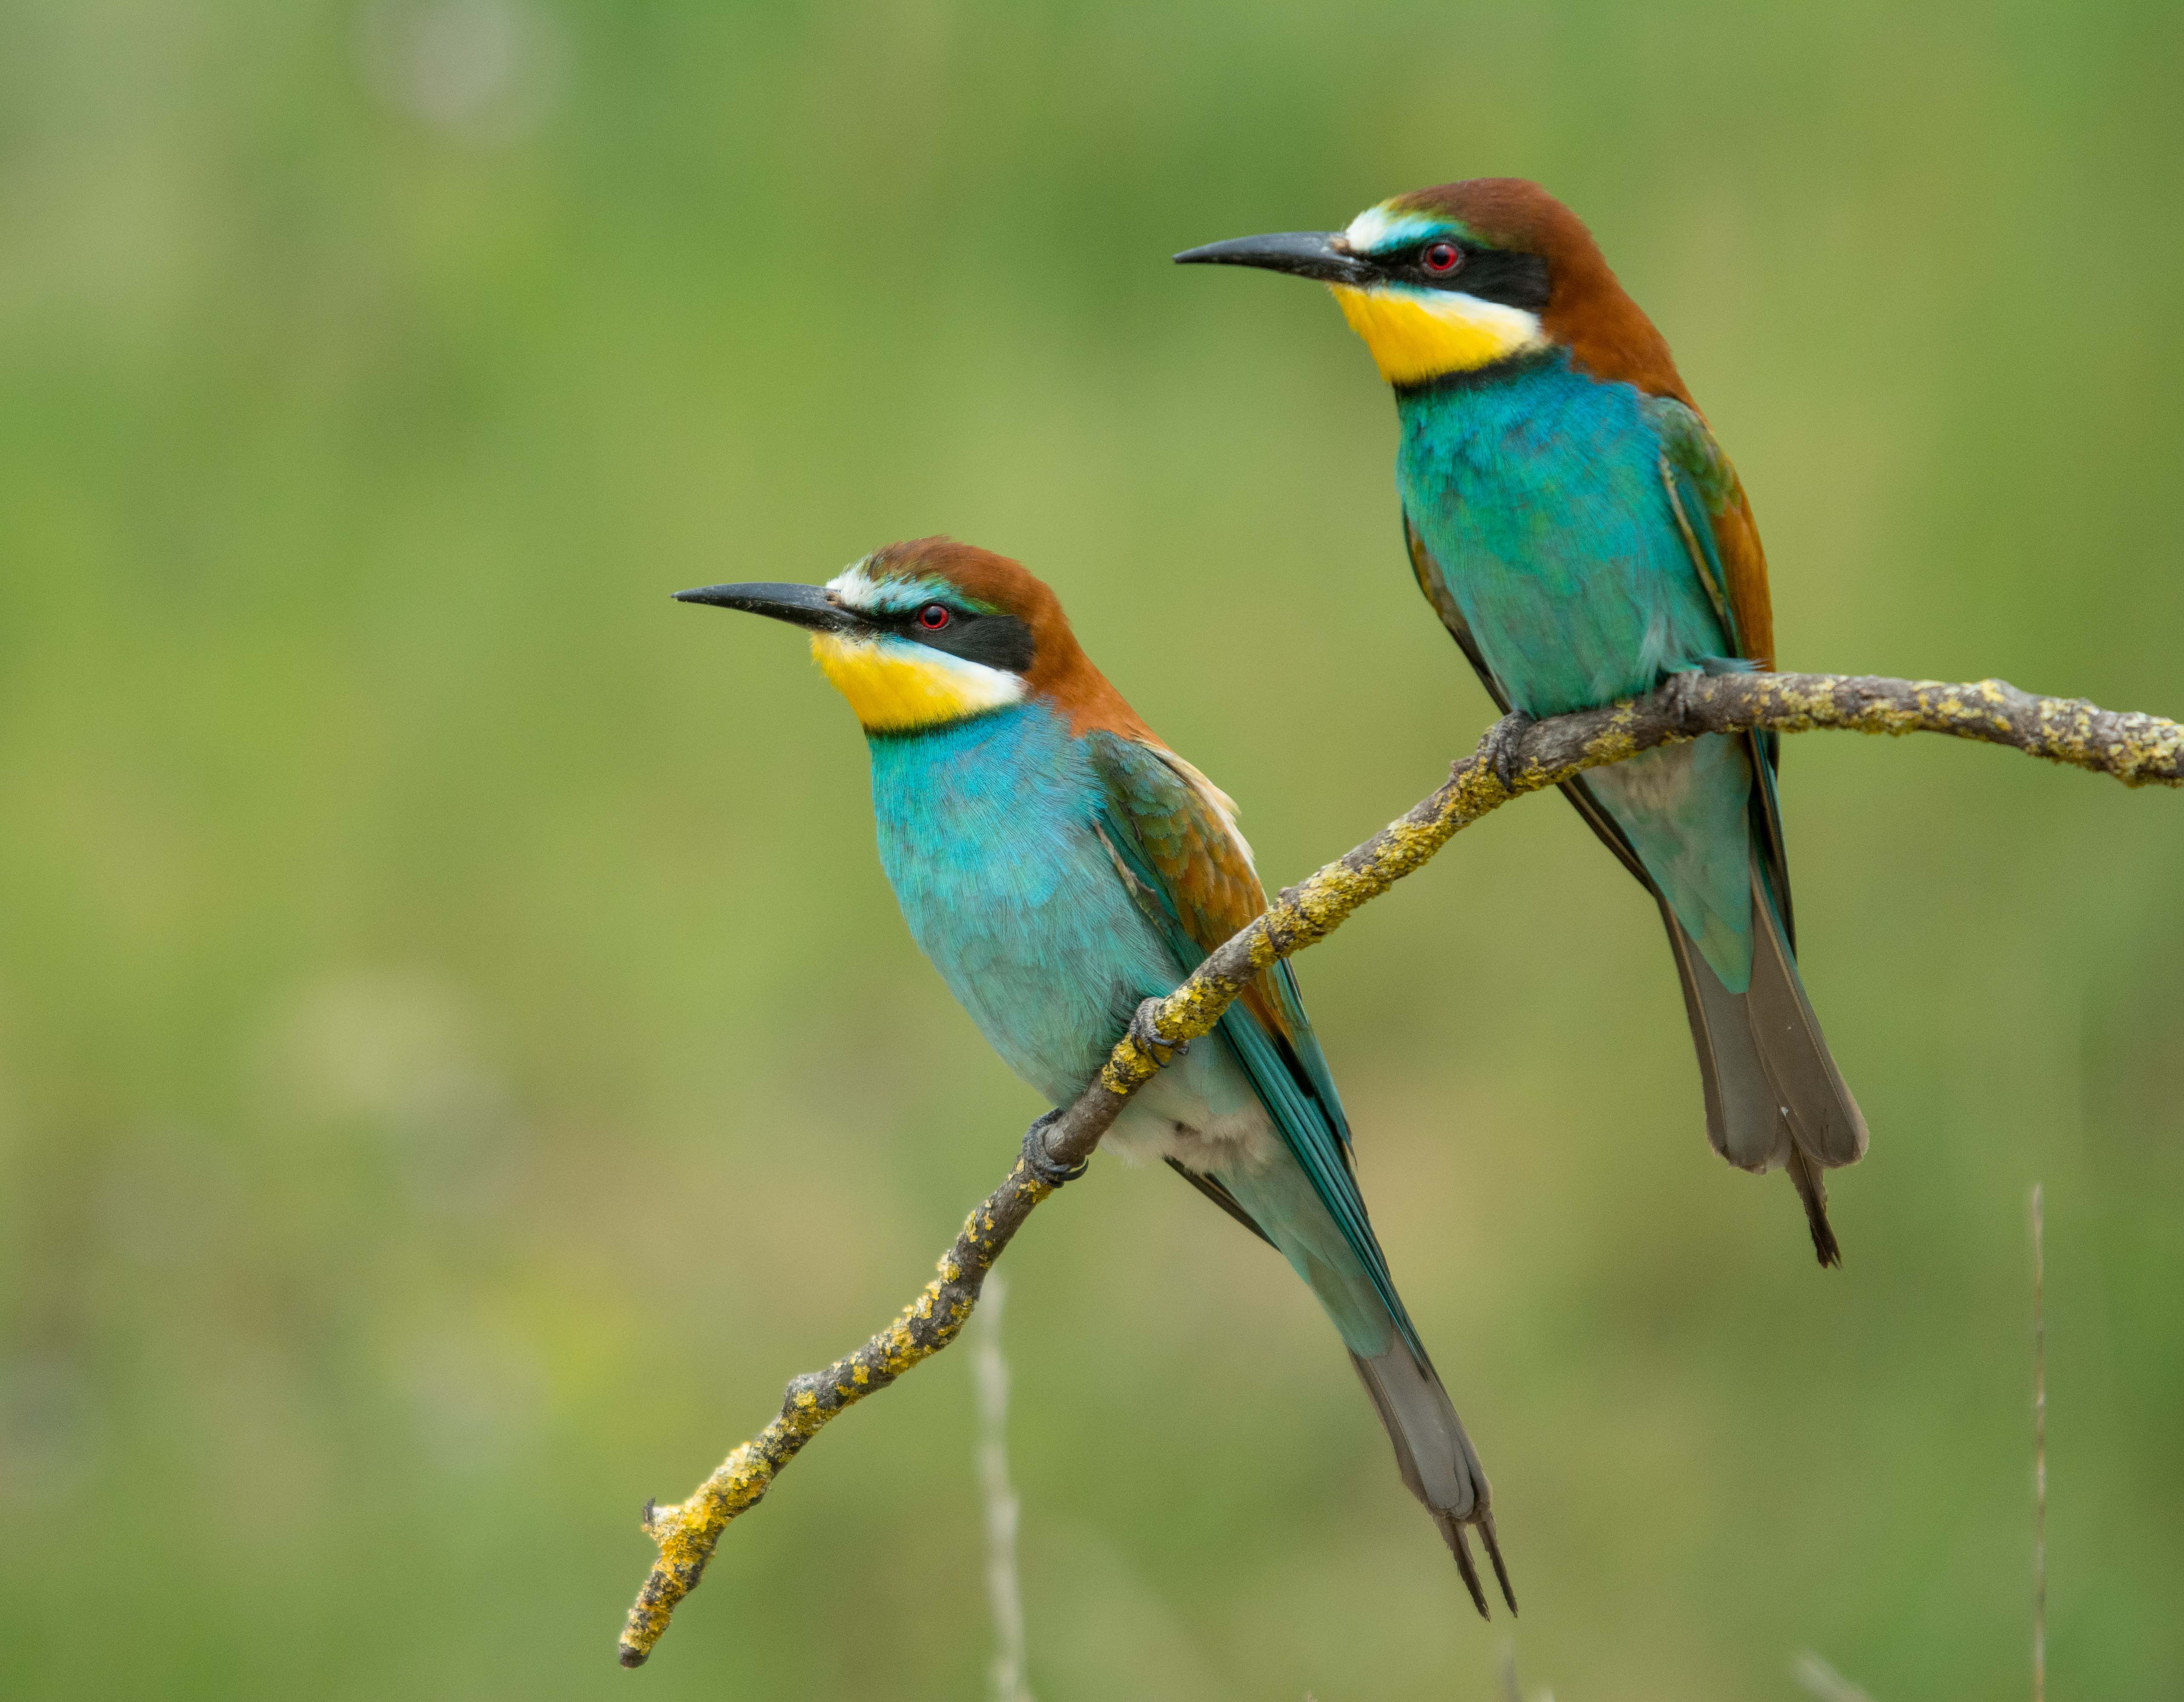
1060,865
1571,518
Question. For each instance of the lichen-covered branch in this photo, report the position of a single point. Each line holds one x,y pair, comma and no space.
2137,750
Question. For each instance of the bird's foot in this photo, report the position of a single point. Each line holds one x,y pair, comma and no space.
1503,748
1144,1030
1041,1163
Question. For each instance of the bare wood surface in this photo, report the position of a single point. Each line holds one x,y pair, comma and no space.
2137,749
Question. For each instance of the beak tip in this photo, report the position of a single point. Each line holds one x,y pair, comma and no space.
800,605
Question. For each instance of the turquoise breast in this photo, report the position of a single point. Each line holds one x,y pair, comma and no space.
986,833
1539,492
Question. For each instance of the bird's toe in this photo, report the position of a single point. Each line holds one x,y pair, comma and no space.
1042,1163
1504,748
1144,1030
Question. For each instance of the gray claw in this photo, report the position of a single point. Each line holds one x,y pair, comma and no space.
1041,1163
1504,743
1145,1030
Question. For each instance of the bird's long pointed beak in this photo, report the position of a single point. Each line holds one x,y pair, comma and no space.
800,605
1303,254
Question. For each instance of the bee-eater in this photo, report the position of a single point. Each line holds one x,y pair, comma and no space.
1060,865
1572,521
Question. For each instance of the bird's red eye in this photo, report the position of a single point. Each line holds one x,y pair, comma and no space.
1440,257
934,616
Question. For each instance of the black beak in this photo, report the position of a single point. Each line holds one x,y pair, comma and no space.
1304,253
800,605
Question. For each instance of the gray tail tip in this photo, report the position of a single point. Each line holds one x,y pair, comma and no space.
1452,1530
1805,1176
1494,1553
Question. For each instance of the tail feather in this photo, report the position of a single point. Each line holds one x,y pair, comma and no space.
1774,1096
1437,1461
1812,1191
1824,1118
1349,1276
1744,1121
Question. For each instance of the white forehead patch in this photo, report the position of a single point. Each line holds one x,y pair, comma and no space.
859,590
1377,230
856,587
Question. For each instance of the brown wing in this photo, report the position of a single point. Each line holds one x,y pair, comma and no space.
1744,565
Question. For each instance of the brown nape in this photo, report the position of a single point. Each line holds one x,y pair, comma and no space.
1607,332
1060,672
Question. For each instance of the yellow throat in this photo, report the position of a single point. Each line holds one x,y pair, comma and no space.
894,685
1418,335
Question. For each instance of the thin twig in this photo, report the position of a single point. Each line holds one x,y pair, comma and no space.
2039,1446
1003,1592
2137,750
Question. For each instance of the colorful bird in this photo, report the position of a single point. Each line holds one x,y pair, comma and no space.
1060,865
1571,520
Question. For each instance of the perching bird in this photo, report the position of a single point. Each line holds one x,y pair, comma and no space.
1571,520
1060,865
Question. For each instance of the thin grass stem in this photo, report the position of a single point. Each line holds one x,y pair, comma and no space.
2039,1446
1004,1591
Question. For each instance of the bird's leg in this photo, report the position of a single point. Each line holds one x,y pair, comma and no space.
1041,1163
1503,748
1145,1030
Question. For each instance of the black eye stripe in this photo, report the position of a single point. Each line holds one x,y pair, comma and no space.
1492,275
994,641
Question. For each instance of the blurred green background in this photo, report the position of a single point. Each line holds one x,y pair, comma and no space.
457,1053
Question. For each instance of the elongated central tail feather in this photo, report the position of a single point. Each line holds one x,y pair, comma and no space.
1350,1277
1436,1459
